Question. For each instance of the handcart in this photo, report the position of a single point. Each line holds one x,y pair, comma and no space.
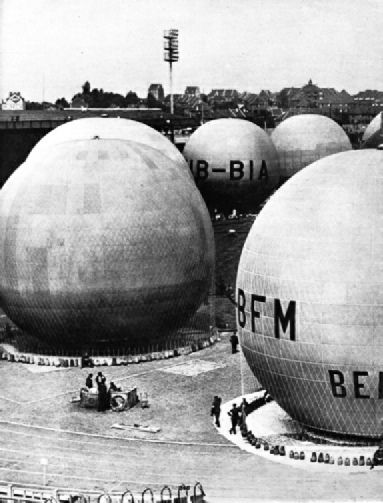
118,400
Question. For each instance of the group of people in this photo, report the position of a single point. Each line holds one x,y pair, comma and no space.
104,393
237,414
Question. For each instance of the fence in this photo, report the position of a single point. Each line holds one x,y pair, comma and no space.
10,493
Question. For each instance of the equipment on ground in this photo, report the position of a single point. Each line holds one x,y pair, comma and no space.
118,400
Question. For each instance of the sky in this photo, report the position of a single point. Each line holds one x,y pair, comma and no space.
49,48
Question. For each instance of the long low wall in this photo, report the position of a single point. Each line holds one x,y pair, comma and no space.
9,353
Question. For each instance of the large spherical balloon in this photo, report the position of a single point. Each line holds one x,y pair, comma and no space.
310,295
304,139
234,163
102,239
374,126
108,128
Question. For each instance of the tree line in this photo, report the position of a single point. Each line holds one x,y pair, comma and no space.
98,98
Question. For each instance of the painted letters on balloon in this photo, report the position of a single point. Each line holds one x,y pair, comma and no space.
236,170
285,320
359,379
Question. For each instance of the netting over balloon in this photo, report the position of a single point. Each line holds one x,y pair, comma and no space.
107,129
234,163
105,242
304,139
310,297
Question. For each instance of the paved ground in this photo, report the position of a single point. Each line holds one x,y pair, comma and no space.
38,421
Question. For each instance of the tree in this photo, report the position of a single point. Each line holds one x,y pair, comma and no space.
33,105
97,98
132,98
94,98
86,88
152,102
62,103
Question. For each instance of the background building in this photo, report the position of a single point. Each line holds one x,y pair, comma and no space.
193,91
157,91
14,101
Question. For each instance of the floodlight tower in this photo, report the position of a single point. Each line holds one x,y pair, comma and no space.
171,56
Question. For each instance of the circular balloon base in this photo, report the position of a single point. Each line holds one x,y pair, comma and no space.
193,334
96,358
271,433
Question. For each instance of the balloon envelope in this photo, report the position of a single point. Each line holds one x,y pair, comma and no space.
234,163
102,239
310,296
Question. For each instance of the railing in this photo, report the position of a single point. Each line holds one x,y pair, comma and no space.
10,493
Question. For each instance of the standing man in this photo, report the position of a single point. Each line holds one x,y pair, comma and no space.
89,381
216,410
102,391
243,409
234,415
234,343
100,379
103,402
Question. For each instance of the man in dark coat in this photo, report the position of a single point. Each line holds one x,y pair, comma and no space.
103,402
234,343
234,415
102,392
89,381
244,408
100,378
216,410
